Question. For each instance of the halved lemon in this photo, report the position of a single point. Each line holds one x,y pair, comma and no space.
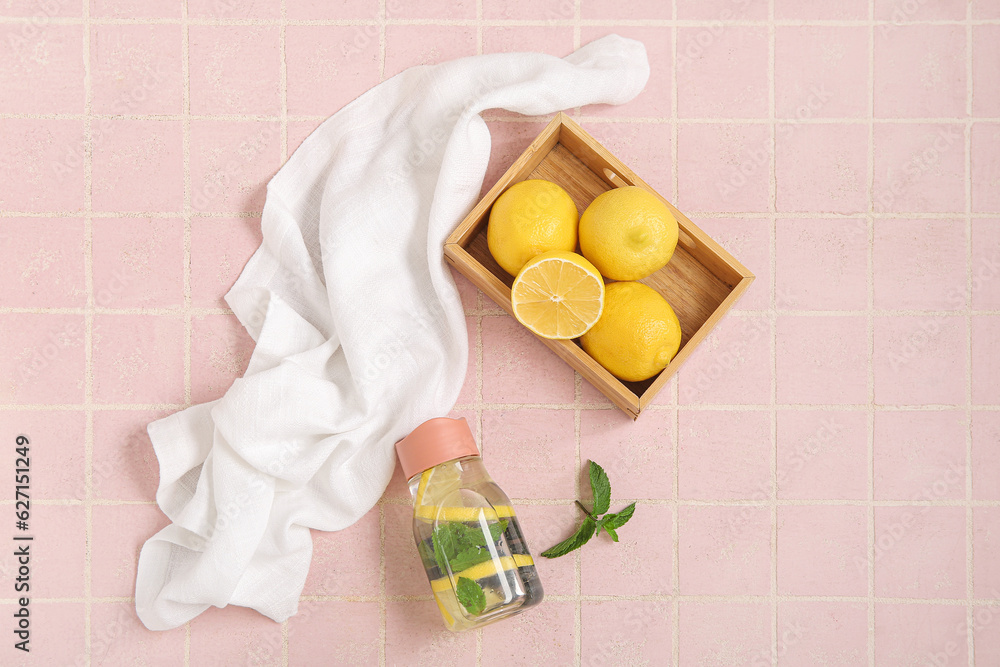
558,294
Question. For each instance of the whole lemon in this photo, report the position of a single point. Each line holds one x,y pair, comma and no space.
628,233
637,334
529,218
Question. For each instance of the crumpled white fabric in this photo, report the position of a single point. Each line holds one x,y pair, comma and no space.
360,333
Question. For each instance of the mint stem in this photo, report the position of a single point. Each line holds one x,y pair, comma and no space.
585,510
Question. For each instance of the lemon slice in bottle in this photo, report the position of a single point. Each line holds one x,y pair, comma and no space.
558,295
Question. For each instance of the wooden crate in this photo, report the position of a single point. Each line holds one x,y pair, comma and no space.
702,281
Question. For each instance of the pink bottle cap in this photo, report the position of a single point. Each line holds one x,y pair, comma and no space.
434,442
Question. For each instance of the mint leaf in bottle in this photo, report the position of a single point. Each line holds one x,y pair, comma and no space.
471,596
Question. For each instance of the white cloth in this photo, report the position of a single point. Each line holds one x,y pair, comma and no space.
360,333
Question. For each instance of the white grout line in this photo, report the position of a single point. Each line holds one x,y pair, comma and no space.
773,205
88,380
694,215
554,22
870,325
707,407
188,310
969,523
500,118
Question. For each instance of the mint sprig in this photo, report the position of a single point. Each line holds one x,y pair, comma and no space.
593,523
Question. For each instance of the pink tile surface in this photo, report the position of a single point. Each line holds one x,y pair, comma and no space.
724,633
57,473
920,72
724,455
344,61
235,636
740,88
626,633
45,265
985,170
819,549
44,74
118,533
822,454
55,567
234,69
920,167
836,184
521,639
986,372
45,359
136,69
915,634
220,248
220,353
129,349
723,167
640,565
731,366
920,552
920,456
124,466
821,264
41,164
918,264
815,72
986,550
920,360
128,156
117,637
139,264
345,632
638,457
985,455
830,633
136,142
61,640
724,549
812,350
531,452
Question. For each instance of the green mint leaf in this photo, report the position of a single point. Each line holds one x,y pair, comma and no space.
462,546
471,596
620,519
601,487
468,558
584,533
438,538
498,529
611,532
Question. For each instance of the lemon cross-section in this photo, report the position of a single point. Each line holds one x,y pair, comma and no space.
558,294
